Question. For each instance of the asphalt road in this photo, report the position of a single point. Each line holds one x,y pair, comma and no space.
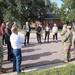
35,54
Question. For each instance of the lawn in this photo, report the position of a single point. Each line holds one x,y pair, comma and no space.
67,70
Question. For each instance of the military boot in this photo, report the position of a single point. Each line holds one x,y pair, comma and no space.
73,53
66,61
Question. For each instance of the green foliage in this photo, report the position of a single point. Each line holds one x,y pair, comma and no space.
23,10
68,70
55,8
26,10
67,11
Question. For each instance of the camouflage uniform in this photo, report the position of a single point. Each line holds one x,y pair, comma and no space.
62,36
73,42
1,54
67,45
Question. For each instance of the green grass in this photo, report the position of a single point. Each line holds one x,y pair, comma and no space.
67,70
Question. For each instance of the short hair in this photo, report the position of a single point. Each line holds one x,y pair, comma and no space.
7,24
13,29
54,24
3,24
27,22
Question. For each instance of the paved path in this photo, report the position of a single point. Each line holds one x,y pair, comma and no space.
35,55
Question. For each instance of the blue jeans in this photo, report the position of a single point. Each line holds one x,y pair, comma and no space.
17,60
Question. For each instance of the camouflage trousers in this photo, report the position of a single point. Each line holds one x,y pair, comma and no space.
74,47
66,51
1,59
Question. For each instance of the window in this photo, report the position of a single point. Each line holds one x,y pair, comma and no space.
51,21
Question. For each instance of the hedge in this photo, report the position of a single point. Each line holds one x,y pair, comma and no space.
67,70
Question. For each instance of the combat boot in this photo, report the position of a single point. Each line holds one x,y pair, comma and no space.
73,53
66,61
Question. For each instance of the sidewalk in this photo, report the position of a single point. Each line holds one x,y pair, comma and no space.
38,56
40,68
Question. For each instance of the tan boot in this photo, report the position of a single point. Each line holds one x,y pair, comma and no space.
66,61
73,53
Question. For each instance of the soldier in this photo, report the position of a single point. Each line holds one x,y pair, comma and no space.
1,54
73,43
1,57
64,30
67,44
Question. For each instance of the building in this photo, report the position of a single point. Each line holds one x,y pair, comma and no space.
51,19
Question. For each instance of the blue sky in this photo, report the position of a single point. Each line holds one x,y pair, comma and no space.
59,2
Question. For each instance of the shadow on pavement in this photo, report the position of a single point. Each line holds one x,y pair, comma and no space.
36,56
29,50
42,63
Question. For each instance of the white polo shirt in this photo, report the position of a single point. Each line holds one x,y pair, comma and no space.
47,28
55,29
16,41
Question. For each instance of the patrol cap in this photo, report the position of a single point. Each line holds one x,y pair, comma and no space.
69,27
65,25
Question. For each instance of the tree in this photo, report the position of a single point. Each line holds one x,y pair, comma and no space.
55,8
51,7
67,11
23,10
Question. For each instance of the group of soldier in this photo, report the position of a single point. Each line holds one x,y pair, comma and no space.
68,39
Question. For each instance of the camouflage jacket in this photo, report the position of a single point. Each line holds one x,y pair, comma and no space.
1,47
68,37
63,34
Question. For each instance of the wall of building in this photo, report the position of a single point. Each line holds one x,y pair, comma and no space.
52,21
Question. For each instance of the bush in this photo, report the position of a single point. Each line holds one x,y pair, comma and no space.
67,70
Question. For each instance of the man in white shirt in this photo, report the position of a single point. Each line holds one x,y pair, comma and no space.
47,32
55,32
16,43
